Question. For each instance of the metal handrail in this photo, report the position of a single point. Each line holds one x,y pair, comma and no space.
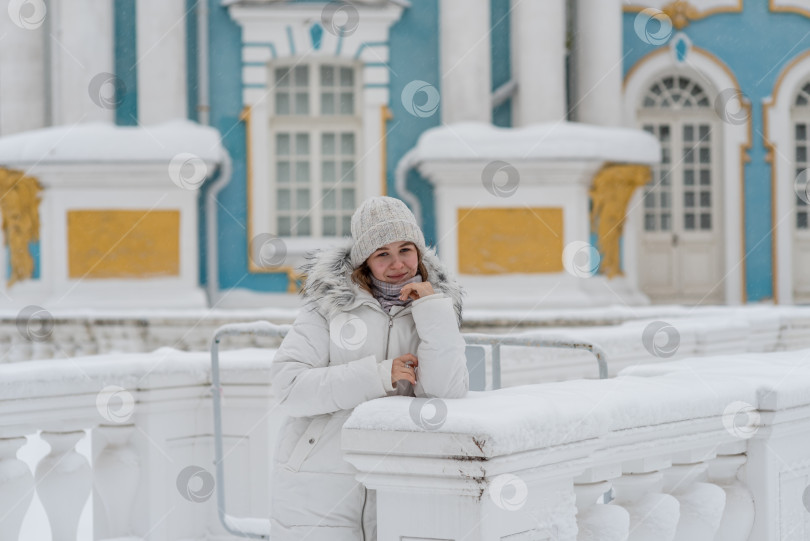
257,528
529,340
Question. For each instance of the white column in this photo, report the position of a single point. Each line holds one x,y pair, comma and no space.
22,76
598,50
538,61
161,37
82,61
465,61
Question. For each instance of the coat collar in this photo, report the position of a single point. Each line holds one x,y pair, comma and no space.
329,285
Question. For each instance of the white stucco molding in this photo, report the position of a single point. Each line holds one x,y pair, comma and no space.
802,7
779,141
716,77
703,7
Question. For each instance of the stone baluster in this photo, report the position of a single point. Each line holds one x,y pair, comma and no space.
64,480
16,489
738,515
597,522
653,515
116,472
701,503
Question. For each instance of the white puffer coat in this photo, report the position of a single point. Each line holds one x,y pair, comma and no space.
337,355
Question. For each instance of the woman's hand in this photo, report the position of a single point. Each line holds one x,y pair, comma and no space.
404,367
415,291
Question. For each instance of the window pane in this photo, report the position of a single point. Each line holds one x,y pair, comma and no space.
347,199
649,222
301,76
665,200
688,155
705,155
664,133
801,220
801,132
282,103
328,143
346,171
283,171
328,171
302,199
705,221
284,226
649,200
282,78
346,103
302,144
329,200
689,177
801,154
327,103
301,103
329,226
666,222
705,177
327,76
347,144
346,77
688,133
303,227
705,199
688,199
302,171
665,155
346,225
689,221
283,144
703,133
283,201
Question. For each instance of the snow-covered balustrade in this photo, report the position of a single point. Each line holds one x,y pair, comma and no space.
704,449
150,469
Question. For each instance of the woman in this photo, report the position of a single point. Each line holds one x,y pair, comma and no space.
379,310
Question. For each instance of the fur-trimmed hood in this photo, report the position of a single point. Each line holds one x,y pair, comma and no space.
329,284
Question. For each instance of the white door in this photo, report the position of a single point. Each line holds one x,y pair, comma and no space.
681,243
801,229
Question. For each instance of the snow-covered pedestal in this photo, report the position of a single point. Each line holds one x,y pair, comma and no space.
118,214
512,210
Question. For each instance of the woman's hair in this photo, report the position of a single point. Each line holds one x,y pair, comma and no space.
362,274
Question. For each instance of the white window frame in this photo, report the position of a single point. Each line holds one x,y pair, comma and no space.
314,124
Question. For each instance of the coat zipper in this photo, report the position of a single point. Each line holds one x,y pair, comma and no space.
363,514
388,338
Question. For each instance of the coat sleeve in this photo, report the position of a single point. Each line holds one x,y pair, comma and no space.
305,382
442,371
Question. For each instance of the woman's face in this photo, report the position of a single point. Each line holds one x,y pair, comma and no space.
395,262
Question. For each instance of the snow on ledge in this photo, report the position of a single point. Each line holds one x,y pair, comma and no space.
552,141
101,142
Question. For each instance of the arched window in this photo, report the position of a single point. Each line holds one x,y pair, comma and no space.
801,125
677,110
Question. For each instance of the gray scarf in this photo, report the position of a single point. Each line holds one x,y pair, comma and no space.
388,294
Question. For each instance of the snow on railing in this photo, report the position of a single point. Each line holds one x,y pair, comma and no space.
712,448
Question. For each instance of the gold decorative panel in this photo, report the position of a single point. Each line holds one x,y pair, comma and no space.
123,243
510,240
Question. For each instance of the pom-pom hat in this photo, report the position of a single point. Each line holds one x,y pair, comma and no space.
380,221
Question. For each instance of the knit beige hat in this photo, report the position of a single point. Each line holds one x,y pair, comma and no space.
379,221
